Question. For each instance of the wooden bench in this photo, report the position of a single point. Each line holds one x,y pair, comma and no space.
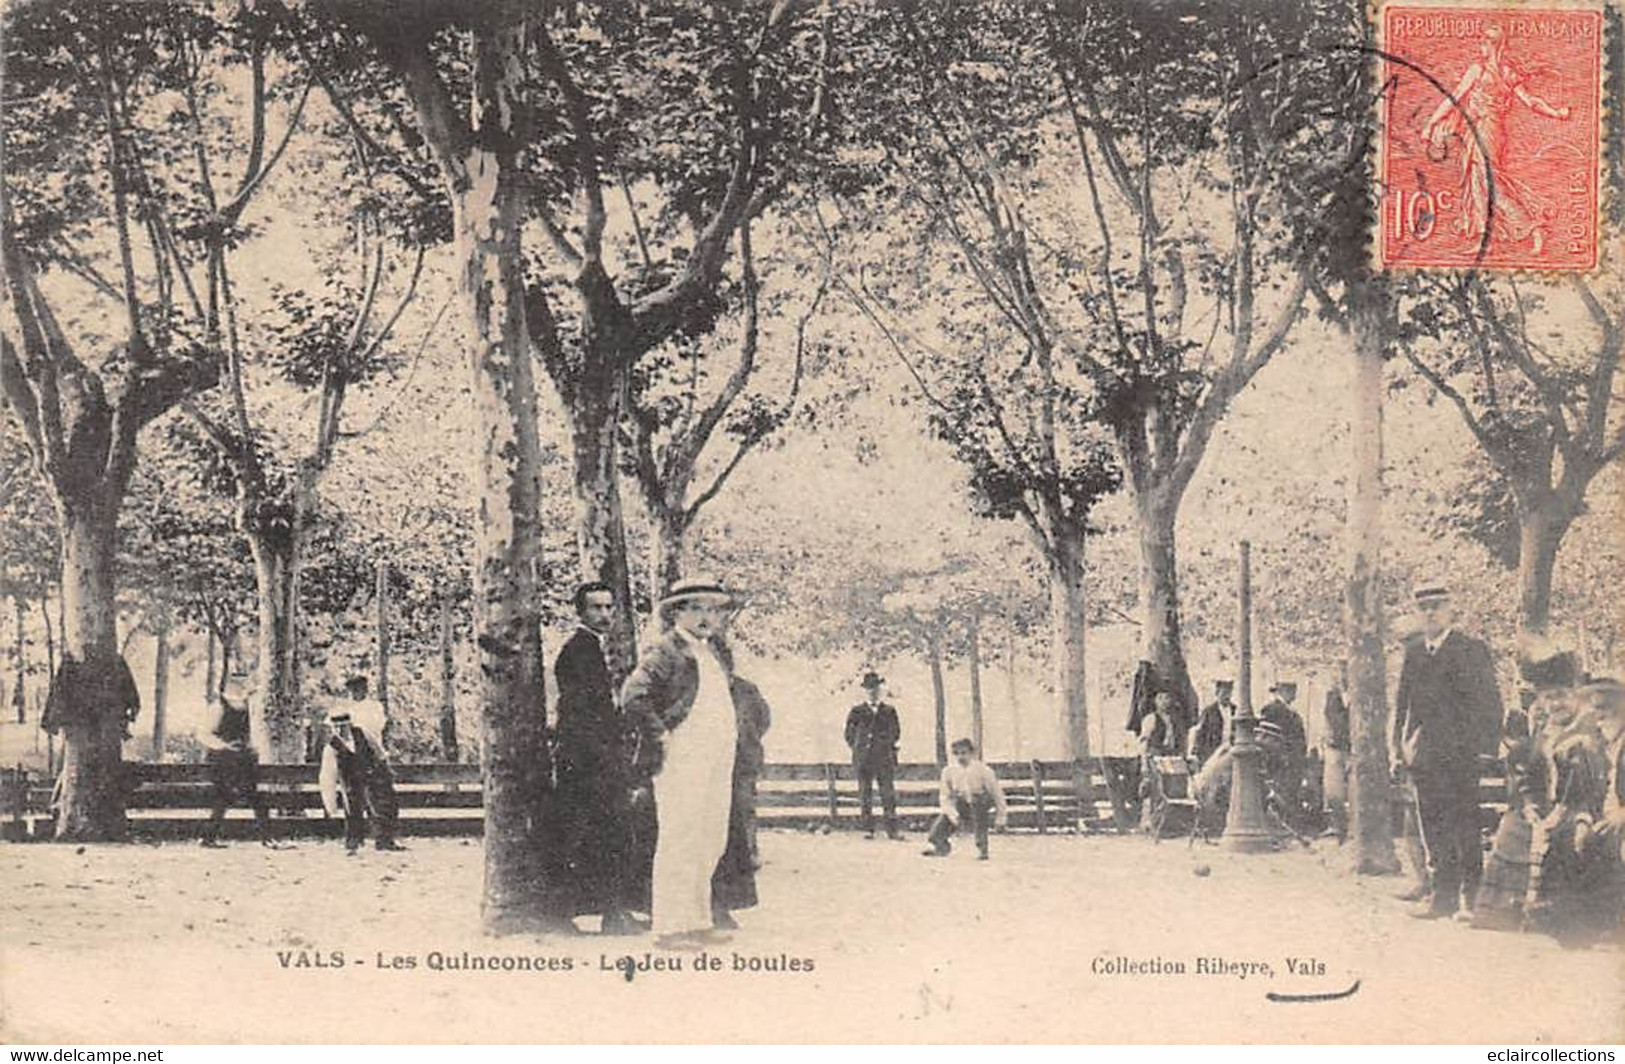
174,800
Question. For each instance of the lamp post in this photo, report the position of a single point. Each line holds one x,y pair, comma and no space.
1245,829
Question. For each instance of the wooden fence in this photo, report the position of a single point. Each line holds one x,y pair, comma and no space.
173,800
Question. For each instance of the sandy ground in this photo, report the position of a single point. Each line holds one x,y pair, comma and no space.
173,944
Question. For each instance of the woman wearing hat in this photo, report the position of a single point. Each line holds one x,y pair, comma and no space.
680,698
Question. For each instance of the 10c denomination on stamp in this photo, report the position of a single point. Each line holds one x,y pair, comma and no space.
1490,136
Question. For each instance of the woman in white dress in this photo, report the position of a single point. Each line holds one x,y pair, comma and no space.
679,696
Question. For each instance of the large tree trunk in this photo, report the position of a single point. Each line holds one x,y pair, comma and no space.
1370,826
276,722
448,683
90,786
160,688
600,518
1540,535
1159,598
1067,627
939,697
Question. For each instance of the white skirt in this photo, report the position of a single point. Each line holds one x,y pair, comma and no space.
693,793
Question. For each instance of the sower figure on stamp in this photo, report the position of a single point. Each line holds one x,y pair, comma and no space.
1447,713
970,794
681,694
873,732
354,767
234,768
590,808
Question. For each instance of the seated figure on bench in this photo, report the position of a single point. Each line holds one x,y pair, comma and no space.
353,764
234,767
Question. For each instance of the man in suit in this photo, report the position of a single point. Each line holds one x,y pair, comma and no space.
592,788
681,696
1286,758
354,767
872,733
1447,713
1213,728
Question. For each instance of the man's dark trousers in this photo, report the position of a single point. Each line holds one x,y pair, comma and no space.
978,814
1447,811
376,799
883,772
235,776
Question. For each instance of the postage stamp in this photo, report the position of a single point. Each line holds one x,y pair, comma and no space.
1490,132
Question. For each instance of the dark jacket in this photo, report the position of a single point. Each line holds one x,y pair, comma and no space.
753,718
1335,715
873,732
1294,742
1213,729
658,695
1447,710
589,724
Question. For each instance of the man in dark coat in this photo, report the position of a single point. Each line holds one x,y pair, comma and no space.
872,733
733,885
1447,714
591,793
234,769
354,766
1286,758
1213,727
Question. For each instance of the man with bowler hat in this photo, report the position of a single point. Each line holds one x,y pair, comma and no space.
1447,713
1284,762
872,732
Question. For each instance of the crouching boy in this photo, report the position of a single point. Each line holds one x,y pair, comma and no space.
970,793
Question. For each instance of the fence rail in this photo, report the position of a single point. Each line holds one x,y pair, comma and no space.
173,800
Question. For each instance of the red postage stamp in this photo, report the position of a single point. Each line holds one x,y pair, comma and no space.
1490,131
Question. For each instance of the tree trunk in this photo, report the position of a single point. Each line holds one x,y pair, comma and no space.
448,683
1540,536
668,543
600,519
50,639
939,698
90,787
160,687
20,660
381,596
276,723
210,675
1067,626
1370,826
1159,598
976,684
1014,697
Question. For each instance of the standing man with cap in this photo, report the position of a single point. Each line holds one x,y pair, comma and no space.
353,764
873,732
1285,760
681,695
1447,713
1213,728
590,799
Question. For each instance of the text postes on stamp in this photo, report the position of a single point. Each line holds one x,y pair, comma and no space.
1489,136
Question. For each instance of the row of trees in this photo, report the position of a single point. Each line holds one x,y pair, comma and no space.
1081,231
